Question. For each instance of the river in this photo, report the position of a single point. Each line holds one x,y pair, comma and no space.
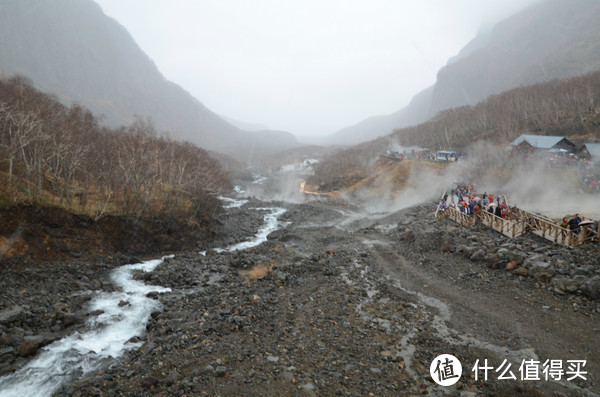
124,315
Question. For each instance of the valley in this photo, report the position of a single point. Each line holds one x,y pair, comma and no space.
337,300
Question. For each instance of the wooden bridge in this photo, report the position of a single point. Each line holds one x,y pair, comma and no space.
519,222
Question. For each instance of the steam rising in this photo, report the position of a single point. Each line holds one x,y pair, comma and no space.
531,185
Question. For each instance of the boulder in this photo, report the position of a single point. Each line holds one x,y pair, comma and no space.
11,313
563,285
466,250
541,270
501,264
533,259
478,255
491,259
584,271
517,256
522,271
7,355
591,288
28,348
511,265
503,253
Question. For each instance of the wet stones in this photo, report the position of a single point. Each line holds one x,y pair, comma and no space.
408,236
522,271
565,270
591,288
563,285
447,244
11,313
478,255
541,270
28,348
221,371
535,259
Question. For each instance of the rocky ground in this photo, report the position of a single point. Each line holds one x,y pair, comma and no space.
338,302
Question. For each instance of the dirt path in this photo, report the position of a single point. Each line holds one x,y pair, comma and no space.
494,312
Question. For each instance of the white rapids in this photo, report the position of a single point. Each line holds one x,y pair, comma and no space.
232,203
125,314
271,224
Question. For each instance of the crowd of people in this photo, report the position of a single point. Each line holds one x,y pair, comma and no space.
575,222
465,199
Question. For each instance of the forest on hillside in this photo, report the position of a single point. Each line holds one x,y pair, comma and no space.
568,107
59,155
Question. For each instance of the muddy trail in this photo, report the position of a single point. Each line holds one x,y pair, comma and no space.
337,302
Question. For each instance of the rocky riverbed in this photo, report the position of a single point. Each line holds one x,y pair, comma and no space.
337,302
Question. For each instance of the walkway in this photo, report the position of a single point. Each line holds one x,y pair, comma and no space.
519,222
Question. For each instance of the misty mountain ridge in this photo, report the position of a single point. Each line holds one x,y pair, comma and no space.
243,125
555,39
70,48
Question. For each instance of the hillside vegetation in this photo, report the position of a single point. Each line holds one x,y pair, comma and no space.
59,155
568,107
553,39
70,48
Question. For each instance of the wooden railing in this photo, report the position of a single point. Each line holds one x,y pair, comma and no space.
508,227
520,221
460,217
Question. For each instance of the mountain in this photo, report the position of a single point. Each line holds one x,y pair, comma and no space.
554,39
243,125
376,126
72,49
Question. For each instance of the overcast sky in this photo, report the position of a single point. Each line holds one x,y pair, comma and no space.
310,67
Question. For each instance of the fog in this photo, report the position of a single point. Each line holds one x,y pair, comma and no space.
532,185
307,67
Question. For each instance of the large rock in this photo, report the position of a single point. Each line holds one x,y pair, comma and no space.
28,348
533,259
591,288
7,355
11,313
522,271
466,251
584,270
563,285
503,253
478,255
408,236
541,270
517,256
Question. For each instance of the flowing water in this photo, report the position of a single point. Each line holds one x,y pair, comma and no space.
108,337
124,315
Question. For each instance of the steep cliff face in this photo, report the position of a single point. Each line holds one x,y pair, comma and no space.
555,39
72,49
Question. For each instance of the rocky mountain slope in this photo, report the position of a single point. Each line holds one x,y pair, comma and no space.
72,49
555,39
